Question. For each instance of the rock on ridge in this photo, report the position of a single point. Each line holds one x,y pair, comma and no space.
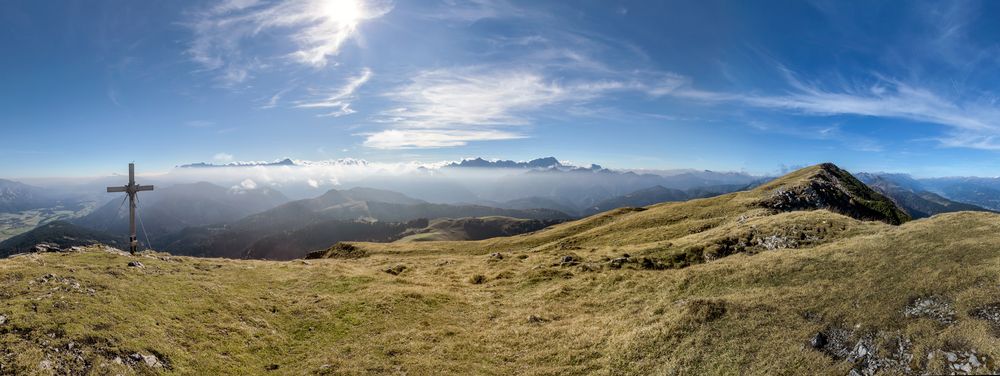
826,186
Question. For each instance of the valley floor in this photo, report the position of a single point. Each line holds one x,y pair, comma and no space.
13,224
923,297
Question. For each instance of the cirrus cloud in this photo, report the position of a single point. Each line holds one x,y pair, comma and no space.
315,29
433,138
452,107
340,98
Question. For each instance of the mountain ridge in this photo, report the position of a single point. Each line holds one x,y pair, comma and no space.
172,208
910,195
374,214
479,162
16,196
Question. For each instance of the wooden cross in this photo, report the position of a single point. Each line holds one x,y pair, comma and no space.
131,190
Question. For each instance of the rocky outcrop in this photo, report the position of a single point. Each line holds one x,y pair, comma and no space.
875,353
827,186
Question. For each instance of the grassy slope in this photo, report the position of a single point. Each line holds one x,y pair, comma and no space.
474,228
750,312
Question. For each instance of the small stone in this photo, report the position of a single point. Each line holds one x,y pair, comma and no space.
535,319
568,260
936,308
966,368
45,364
617,263
951,357
395,270
45,247
151,360
860,351
135,264
3,319
496,256
117,360
818,341
271,367
974,361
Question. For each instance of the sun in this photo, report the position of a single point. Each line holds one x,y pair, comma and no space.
344,12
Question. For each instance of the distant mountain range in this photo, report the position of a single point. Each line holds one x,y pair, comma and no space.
984,192
911,195
280,162
568,188
203,219
295,228
547,162
15,196
170,209
644,197
580,191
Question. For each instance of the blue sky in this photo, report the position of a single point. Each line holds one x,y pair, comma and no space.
726,85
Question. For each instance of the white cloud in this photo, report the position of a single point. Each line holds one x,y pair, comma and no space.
445,98
971,123
244,186
272,102
312,183
433,138
315,29
451,107
113,97
446,108
340,99
897,101
223,157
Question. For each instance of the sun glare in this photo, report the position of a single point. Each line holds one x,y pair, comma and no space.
345,12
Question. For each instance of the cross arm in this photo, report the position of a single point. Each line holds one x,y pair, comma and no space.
143,188
117,189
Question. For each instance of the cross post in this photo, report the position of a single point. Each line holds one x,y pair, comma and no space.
131,190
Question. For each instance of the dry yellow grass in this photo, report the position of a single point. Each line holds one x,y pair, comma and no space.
533,311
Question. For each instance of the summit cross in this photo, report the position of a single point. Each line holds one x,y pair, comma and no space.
131,190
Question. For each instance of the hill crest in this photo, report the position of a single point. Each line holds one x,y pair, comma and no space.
826,186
